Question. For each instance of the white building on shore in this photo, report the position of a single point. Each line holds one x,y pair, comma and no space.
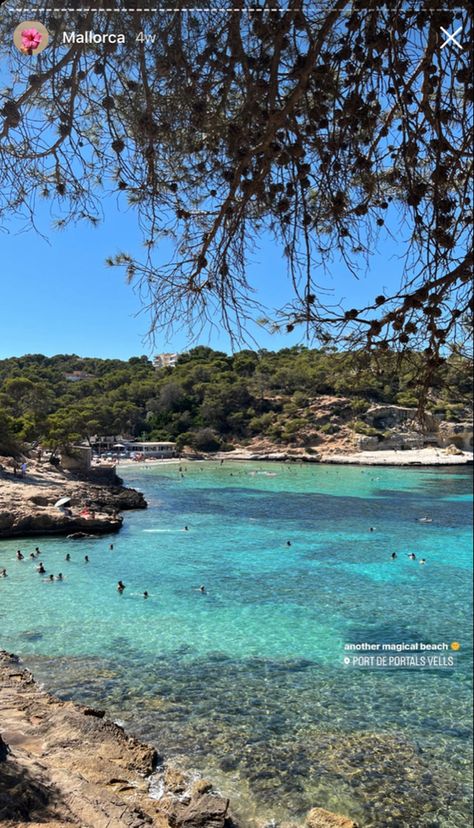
120,446
151,449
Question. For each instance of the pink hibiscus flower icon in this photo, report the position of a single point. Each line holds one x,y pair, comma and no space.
30,40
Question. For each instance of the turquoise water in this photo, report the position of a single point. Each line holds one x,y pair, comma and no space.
246,683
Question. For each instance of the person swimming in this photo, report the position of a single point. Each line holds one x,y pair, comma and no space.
288,543
19,555
86,558
202,588
68,557
59,576
37,551
412,556
111,547
49,579
32,556
371,528
41,570
422,561
393,556
3,573
145,594
120,586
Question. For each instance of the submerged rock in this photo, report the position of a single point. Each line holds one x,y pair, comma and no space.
320,818
79,536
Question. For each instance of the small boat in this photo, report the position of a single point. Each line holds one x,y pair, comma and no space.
425,519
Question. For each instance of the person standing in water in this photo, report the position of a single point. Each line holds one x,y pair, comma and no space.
120,587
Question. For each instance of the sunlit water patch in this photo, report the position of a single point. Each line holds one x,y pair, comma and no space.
245,682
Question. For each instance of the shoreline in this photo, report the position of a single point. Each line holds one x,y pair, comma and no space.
412,457
27,503
64,764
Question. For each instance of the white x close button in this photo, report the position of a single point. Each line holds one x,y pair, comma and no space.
451,37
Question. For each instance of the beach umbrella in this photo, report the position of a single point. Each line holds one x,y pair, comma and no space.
62,501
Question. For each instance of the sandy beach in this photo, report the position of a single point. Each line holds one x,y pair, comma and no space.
412,457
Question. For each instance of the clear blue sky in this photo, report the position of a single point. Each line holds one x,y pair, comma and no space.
57,295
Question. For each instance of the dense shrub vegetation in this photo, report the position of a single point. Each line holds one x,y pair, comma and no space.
209,399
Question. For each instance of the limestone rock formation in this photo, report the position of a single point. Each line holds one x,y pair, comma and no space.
458,434
27,503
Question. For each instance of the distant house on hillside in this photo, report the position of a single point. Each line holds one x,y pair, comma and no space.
77,376
165,360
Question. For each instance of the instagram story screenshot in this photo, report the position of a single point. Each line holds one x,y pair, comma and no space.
236,413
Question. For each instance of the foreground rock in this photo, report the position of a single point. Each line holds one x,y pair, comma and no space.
62,764
27,503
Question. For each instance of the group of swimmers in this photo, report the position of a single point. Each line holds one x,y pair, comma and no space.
121,589
41,570
411,556
20,556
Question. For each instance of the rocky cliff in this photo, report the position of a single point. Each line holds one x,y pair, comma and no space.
27,503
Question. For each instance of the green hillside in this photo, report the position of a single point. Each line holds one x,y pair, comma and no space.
210,399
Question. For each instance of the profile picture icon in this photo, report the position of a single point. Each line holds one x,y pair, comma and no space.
30,37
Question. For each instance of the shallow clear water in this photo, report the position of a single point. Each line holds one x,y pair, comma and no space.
246,683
